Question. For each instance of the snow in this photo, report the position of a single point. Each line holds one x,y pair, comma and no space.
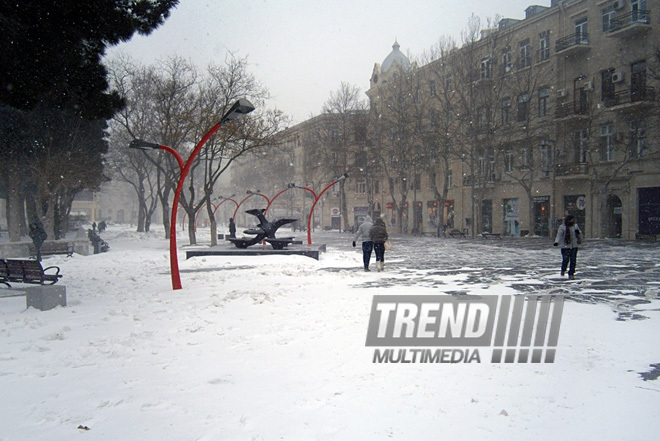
273,348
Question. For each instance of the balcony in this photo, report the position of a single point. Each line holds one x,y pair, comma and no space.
640,97
571,110
630,24
571,169
573,44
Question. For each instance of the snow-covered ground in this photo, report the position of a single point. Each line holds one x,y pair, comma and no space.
273,347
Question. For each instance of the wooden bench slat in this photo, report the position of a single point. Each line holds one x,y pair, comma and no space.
28,271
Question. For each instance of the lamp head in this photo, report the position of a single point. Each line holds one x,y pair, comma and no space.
240,107
141,144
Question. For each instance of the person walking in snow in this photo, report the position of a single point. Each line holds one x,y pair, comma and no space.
378,236
367,245
38,236
569,236
232,227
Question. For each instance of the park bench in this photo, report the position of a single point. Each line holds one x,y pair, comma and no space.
27,271
455,234
51,248
487,235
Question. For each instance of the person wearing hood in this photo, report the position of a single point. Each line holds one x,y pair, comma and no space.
569,236
379,236
367,245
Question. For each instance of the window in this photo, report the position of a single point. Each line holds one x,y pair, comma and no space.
581,31
524,157
607,87
637,138
546,156
484,71
544,45
361,187
361,159
507,60
506,110
639,12
448,82
482,118
525,54
607,147
580,147
450,178
508,160
433,120
432,87
418,183
544,101
608,17
523,107
376,186
638,89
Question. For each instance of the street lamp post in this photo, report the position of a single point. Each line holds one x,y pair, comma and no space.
249,194
275,197
316,199
239,108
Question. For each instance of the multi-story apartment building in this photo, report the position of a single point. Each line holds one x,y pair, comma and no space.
523,123
553,114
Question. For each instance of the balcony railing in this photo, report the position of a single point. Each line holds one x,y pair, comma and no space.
572,169
571,109
580,40
630,96
631,19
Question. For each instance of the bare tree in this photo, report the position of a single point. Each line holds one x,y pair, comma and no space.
226,84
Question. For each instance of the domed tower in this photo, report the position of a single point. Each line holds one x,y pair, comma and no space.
395,61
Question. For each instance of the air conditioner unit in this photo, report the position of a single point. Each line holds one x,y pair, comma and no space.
618,4
561,93
617,77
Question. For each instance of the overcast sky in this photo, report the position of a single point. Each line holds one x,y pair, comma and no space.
302,50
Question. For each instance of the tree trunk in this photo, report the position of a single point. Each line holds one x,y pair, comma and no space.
15,208
191,227
214,224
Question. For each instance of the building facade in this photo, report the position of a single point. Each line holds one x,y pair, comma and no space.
523,123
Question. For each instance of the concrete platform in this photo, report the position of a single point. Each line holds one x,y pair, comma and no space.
312,251
41,297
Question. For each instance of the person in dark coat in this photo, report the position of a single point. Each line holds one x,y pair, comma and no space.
569,236
378,235
232,227
367,245
38,236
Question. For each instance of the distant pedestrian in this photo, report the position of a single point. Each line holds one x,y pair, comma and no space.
569,237
38,236
232,227
378,236
102,226
367,245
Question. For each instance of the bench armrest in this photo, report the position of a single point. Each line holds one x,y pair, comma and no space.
57,273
